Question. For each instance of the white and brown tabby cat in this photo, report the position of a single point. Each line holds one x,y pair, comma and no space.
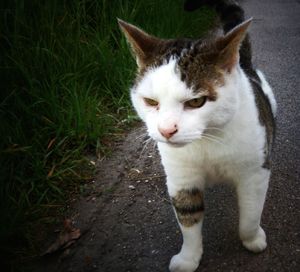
212,116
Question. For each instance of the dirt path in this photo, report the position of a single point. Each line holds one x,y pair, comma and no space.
127,220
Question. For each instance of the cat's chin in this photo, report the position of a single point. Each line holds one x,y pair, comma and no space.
175,144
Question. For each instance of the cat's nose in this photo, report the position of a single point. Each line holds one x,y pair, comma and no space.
168,132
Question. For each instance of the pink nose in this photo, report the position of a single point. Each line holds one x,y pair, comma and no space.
168,132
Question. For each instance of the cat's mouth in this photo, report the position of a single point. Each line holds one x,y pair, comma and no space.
176,143
172,142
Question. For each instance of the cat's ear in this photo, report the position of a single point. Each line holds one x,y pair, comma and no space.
142,44
230,44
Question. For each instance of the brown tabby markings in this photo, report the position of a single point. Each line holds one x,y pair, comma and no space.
199,69
162,53
196,63
189,206
266,118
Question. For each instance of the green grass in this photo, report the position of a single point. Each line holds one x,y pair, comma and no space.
65,74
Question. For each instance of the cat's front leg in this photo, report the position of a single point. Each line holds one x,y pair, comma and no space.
251,197
188,205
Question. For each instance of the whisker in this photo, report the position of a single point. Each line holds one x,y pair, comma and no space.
213,136
147,140
145,143
142,135
215,128
212,139
202,132
154,144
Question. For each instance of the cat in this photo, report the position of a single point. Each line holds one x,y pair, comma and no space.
212,116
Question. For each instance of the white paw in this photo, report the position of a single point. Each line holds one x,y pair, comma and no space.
179,264
257,243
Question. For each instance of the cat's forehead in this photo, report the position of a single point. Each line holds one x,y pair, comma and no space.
164,81
199,68
191,63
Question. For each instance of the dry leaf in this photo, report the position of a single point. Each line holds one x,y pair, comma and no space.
66,238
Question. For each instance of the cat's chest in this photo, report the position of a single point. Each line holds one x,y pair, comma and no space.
216,162
223,161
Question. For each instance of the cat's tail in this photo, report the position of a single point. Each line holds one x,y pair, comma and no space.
231,15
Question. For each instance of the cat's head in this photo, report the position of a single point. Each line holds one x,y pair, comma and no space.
185,87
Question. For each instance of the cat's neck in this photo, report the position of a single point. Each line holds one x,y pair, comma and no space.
246,115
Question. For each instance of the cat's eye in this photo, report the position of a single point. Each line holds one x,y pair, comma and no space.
150,102
196,102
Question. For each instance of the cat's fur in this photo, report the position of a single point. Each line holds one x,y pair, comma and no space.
226,137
